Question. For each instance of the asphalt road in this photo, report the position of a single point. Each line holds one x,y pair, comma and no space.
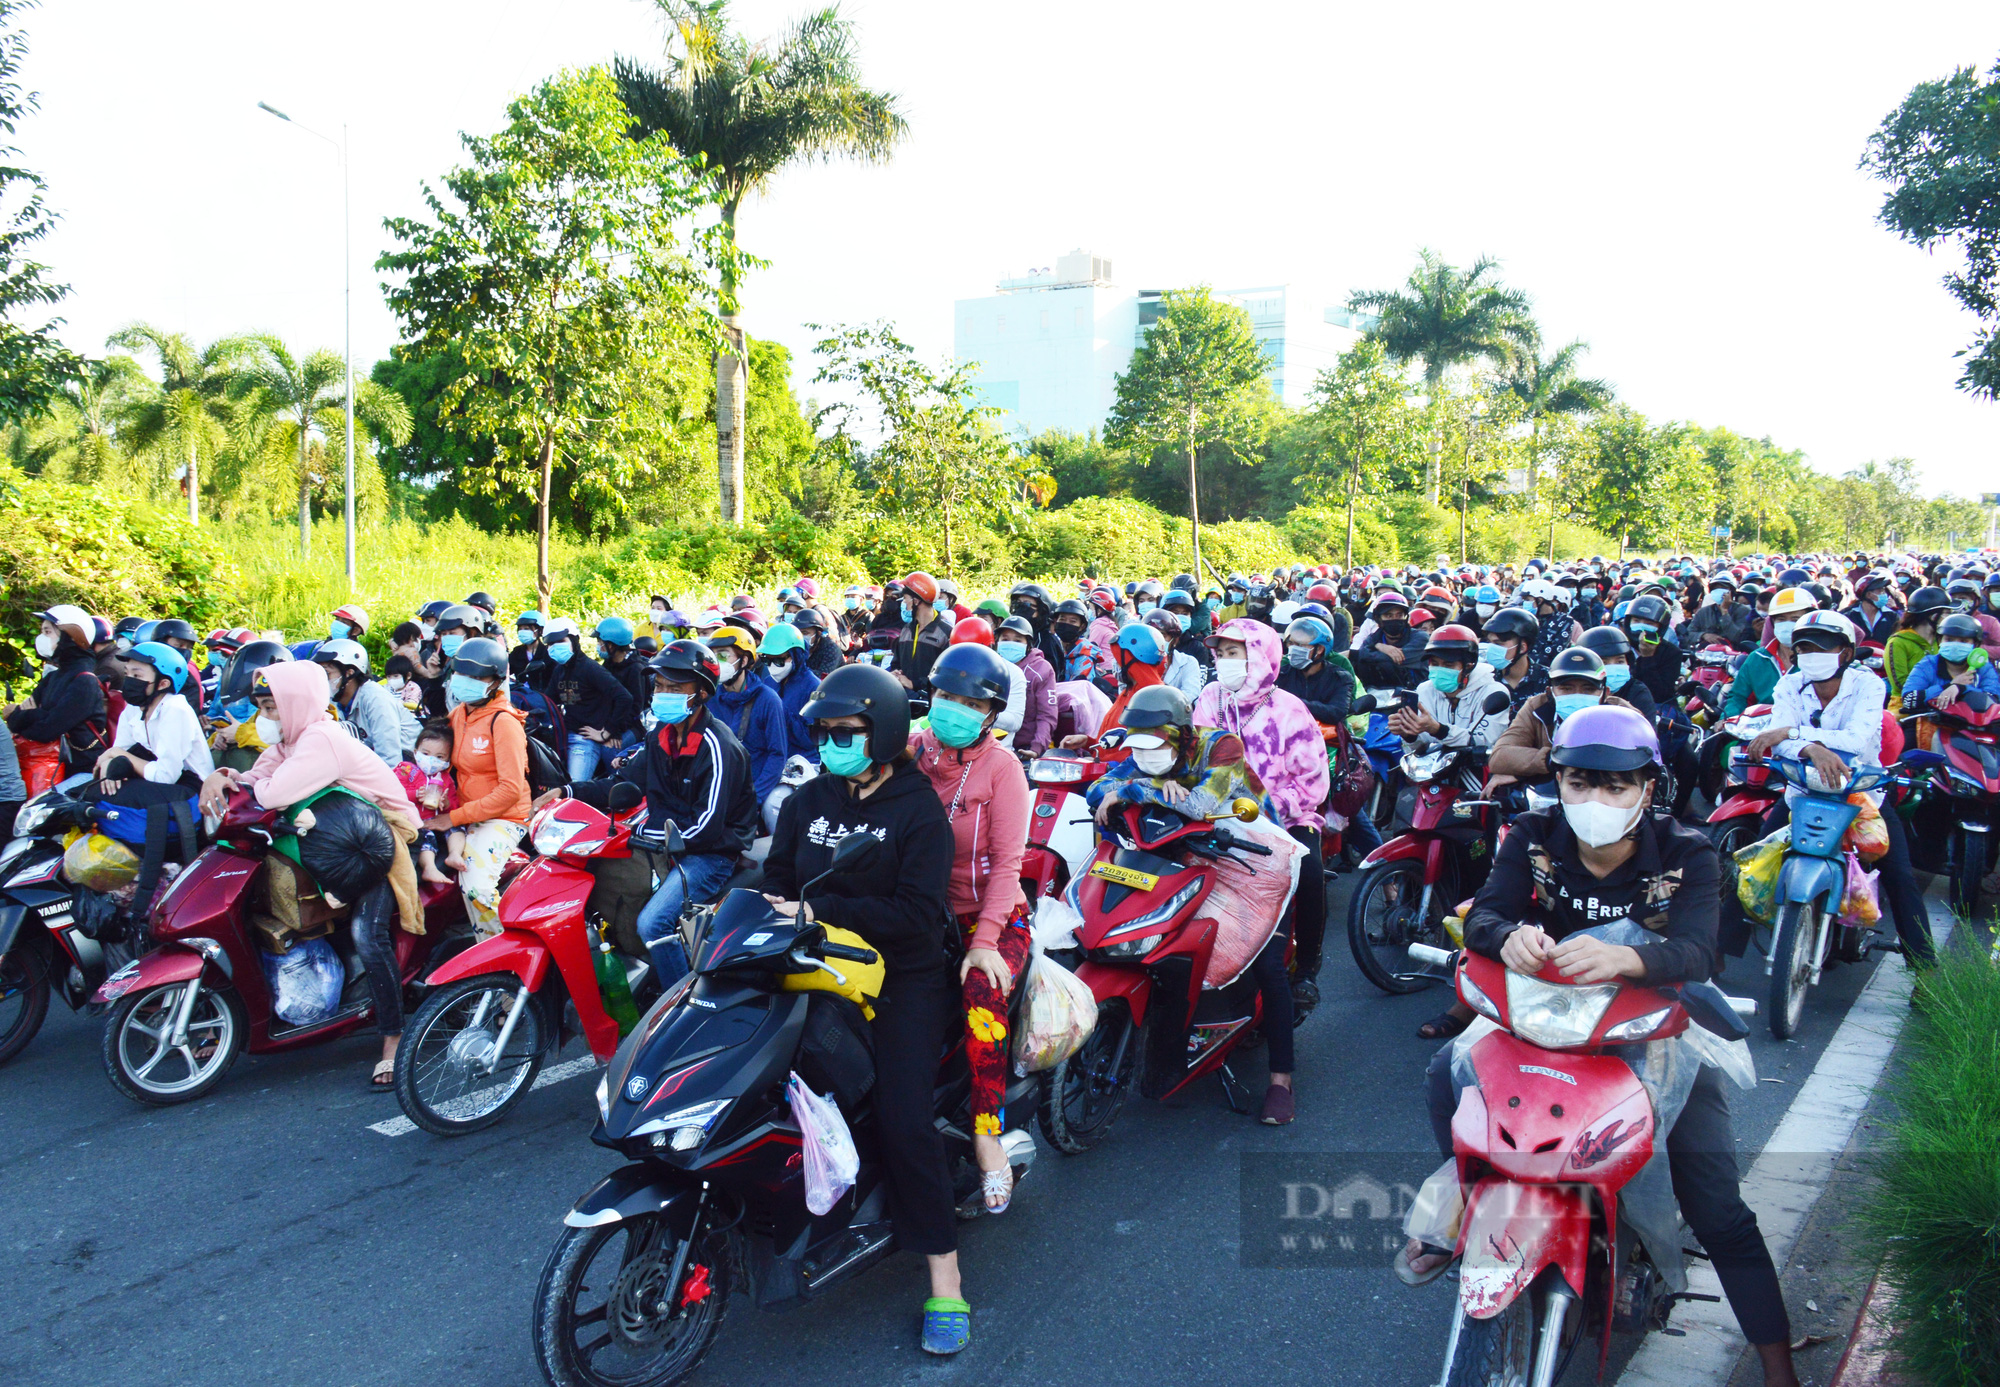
266,1234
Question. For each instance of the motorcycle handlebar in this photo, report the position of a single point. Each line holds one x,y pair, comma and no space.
1230,840
848,952
1425,953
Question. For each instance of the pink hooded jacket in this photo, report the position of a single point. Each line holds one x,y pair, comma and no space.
1281,741
315,751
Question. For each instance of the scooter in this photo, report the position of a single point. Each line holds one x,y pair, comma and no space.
1145,943
47,940
1964,766
1741,804
1440,854
1547,1144
183,1012
713,1196
1061,836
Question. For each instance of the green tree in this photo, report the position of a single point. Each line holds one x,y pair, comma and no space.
1940,151
940,456
77,439
34,364
190,414
556,278
1444,316
749,109
1546,386
1196,381
1363,418
1478,428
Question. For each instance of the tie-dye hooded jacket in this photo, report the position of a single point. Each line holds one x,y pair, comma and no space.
1280,738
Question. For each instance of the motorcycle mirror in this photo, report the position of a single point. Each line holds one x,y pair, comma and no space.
850,852
1709,1008
1246,809
1364,704
672,842
1496,701
625,797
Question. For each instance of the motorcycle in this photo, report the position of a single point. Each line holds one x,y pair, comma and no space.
199,997
1405,888
1964,766
1061,837
1145,945
713,1195
1558,1236
1740,805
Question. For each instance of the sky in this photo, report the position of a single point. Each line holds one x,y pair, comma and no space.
1677,186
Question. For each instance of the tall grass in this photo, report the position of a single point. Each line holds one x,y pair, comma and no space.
1936,1210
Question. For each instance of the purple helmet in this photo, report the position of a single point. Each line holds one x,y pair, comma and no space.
1605,738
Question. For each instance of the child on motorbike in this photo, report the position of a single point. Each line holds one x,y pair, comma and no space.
427,780
986,799
1170,759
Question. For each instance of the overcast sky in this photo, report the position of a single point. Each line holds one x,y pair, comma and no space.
1676,185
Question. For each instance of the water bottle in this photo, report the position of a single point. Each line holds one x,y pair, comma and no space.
616,988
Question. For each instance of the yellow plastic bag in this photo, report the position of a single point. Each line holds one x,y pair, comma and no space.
99,863
1757,869
1867,835
860,983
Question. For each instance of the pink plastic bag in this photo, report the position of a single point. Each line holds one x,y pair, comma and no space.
1861,902
831,1160
1249,898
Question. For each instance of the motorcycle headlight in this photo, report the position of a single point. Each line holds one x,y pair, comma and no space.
604,1098
684,1129
1137,946
1639,1027
1553,1015
1475,997
1056,772
1163,913
32,816
552,835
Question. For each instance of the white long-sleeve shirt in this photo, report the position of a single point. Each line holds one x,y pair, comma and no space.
172,734
1184,672
1851,723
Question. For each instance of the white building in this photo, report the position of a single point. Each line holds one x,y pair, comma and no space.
1052,343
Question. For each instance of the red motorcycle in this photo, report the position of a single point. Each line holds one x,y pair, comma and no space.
1146,942
1546,1143
1964,765
1438,852
1738,818
183,1012
1061,837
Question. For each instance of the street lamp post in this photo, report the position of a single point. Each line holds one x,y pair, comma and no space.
347,310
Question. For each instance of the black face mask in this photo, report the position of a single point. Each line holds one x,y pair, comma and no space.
1023,609
1068,634
137,692
1395,628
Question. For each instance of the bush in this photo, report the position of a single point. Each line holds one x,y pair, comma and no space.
1936,1208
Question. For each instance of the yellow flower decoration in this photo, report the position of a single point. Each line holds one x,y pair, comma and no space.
986,1124
985,1025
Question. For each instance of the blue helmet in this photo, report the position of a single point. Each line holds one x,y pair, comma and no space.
615,630
1142,642
145,632
1486,592
530,618
163,658
1313,629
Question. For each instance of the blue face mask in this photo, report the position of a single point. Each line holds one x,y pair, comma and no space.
1958,652
526,637
1013,652
850,760
340,631
672,707
1444,679
561,651
909,612
1146,607
955,724
1573,703
1617,676
1494,655
465,689
451,643
1783,630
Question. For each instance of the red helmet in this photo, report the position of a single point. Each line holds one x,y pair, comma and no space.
1104,599
972,631
1322,592
923,587
1453,640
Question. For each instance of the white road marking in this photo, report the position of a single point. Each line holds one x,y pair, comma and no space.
568,1069
1789,1177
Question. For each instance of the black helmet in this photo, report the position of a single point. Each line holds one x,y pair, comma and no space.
1959,626
463,616
483,601
1030,592
1020,626
243,667
872,693
1606,641
1819,595
972,670
431,611
125,627
482,658
1183,582
1515,622
174,629
688,662
1649,608
1576,663
807,619
1928,602
1155,707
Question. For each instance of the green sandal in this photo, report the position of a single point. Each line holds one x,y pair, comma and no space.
947,1325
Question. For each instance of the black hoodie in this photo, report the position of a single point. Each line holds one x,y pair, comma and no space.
69,701
896,901
590,696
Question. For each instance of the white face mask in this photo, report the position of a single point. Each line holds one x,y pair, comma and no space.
45,645
1156,761
395,683
1486,609
1820,665
1232,674
429,764
659,615
268,730
1599,825
778,669
725,671
429,628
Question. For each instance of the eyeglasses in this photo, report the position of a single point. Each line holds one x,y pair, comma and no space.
839,736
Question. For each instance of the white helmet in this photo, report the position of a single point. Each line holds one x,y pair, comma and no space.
342,652
560,627
1832,623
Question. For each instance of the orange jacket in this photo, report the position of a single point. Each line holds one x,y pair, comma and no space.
489,753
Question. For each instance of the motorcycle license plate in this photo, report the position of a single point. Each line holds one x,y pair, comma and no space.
1124,876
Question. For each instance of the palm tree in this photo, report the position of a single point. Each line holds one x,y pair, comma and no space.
1446,317
191,410
78,439
749,109
1548,386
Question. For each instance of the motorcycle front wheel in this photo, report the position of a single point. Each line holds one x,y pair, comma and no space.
1731,836
1793,957
1081,1096
24,998
1971,867
449,1078
1382,922
1496,1352
605,1315
140,1056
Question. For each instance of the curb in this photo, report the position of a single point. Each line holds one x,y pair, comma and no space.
1865,1360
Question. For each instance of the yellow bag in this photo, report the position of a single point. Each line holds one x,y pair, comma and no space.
1757,874
98,863
860,983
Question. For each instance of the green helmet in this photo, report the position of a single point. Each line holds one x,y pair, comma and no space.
782,639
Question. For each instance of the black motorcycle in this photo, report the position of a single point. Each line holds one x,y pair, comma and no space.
634,1291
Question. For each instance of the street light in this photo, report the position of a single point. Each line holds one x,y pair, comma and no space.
347,310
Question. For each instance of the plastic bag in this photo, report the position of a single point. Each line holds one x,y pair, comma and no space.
1757,868
1867,835
1056,923
1057,1015
1861,902
831,1160
100,863
348,847
305,982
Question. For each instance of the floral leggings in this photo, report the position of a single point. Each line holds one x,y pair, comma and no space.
986,1022
488,845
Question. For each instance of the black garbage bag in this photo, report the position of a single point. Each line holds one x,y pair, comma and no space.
348,848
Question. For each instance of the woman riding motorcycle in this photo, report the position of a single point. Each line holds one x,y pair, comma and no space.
1603,855
985,794
63,724
898,902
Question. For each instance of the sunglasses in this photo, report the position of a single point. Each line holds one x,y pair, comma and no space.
839,736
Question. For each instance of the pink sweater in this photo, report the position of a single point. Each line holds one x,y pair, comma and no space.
989,831
316,752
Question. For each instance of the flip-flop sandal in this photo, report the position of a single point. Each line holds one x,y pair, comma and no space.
947,1325
1443,1026
1410,1276
385,1070
997,1182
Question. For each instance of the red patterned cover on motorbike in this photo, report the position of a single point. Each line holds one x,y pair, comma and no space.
1552,1116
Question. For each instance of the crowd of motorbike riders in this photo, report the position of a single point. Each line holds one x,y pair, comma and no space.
912,710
